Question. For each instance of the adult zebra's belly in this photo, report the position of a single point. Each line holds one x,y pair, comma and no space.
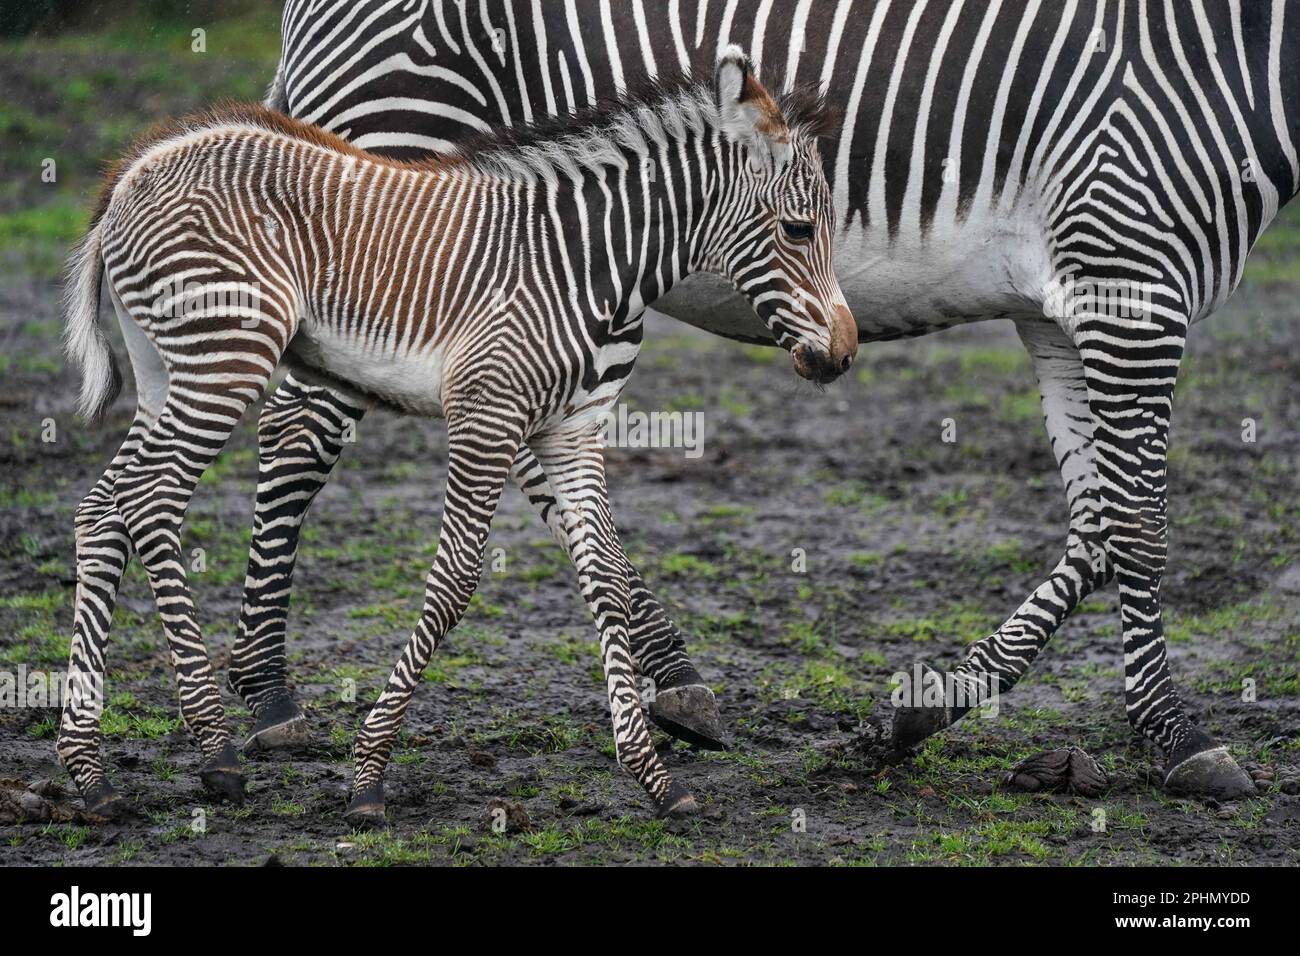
904,287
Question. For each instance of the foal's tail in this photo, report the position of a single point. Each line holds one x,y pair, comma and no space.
83,340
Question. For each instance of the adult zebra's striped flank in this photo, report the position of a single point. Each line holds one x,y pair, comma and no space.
1070,165
502,290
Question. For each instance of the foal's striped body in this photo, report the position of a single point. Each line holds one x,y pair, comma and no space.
502,292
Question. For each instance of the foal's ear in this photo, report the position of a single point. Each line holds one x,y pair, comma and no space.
750,116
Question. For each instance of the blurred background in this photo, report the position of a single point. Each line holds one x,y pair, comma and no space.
80,78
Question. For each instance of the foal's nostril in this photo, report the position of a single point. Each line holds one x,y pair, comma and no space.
845,363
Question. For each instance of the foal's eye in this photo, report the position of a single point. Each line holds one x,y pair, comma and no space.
797,230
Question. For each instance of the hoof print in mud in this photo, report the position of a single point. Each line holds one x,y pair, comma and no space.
1062,771
690,713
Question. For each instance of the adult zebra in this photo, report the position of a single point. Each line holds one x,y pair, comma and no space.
1095,171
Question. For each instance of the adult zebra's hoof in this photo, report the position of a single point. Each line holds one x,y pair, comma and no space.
690,713
280,725
103,801
1204,768
222,777
366,809
914,719
678,802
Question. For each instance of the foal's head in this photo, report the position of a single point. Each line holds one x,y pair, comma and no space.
774,241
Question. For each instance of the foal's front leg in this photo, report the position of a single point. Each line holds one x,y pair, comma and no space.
480,451
576,469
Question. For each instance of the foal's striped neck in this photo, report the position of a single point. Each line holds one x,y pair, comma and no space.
633,182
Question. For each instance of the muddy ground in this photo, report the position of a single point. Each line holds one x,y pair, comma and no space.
914,547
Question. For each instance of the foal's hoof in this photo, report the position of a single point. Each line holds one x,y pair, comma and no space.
914,721
222,777
678,802
103,801
224,785
1070,771
366,809
690,713
1208,772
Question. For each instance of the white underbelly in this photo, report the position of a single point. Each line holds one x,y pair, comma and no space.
407,377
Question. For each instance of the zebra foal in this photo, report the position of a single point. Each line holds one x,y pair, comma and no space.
501,290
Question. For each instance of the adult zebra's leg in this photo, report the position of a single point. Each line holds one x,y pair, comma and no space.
103,552
480,453
998,661
300,435
1130,372
1114,396
682,704
576,468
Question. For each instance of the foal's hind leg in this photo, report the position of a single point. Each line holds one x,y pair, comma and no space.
682,704
103,551
152,495
577,472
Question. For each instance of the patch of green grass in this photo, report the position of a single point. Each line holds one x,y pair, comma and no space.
23,498
37,239
1008,554
726,513
554,734
952,504
966,622
150,724
689,565
288,808
70,836
1275,259
1235,619
246,31
443,667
